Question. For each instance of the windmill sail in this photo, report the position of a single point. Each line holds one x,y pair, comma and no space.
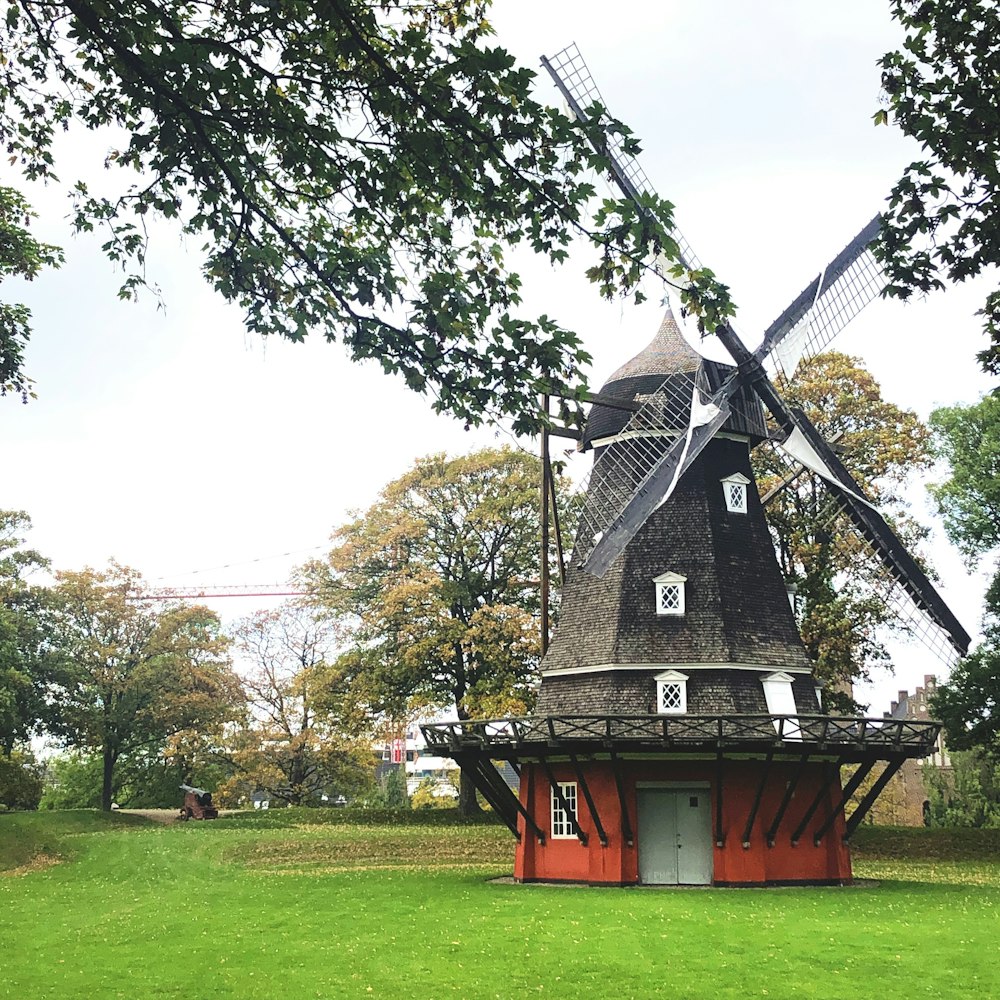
570,74
904,586
821,310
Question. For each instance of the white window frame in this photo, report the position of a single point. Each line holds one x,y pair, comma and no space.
560,827
736,479
676,583
781,701
674,679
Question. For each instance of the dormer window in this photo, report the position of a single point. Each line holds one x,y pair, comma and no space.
781,702
671,693
670,594
734,489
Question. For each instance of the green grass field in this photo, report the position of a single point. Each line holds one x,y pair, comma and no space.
316,904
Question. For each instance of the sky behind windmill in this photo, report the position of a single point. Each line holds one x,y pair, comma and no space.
175,443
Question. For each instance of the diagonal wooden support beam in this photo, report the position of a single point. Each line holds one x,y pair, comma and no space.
772,830
868,801
563,804
471,767
505,793
590,801
831,774
623,805
849,789
761,785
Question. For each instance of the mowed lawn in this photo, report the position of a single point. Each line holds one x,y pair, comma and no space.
314,904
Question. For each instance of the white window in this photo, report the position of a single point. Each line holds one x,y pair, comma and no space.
671,693
561,825
670,594
734,489
781,701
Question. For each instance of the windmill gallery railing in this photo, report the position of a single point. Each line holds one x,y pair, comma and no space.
826,740
849,738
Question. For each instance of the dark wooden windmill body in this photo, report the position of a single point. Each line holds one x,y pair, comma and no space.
679,735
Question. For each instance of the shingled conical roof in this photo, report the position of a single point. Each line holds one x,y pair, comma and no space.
668,353
667,357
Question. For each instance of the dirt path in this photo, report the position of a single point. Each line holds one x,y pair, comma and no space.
165,816
157,815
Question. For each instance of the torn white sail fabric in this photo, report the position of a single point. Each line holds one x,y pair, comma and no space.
799,448
792,347
701,414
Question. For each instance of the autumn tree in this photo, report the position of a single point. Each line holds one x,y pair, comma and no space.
352,170
842,615
437,584
941,90
292,742
127,674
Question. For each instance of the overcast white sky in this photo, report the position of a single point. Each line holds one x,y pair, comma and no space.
175,443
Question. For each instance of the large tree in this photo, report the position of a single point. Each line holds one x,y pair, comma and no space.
842,615
941,89
351,169
127,674
22,668
967,440
292,742
437,583
21,256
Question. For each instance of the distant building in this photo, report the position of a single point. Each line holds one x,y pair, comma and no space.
442,772
907,802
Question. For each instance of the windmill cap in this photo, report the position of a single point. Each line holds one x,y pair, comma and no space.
668,353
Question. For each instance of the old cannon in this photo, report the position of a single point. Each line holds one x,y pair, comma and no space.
197,804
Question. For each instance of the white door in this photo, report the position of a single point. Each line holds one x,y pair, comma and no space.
675,836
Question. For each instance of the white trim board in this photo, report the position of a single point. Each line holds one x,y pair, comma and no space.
600,668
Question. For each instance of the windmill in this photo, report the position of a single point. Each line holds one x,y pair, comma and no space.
679,735
627,484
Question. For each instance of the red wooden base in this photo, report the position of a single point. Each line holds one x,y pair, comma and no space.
734,864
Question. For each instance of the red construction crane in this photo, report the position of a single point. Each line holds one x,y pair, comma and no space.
194,591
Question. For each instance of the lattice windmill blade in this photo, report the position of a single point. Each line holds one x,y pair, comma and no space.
639,470
909,617
570,74
905,586
824,307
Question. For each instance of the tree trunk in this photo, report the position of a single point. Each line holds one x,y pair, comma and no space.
468,804
109,770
